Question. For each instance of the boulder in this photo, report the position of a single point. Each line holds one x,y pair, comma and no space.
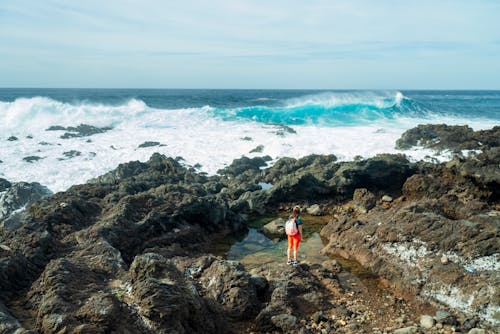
244,164
314,210
168,301
19,195
274,229
227,283
426,321
8,324
364,200
386,198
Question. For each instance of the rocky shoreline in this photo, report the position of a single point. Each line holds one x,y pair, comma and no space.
125,252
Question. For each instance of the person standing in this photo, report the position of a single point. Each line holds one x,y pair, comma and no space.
293,229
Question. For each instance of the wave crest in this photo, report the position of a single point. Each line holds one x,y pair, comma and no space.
41,112
332,109
384,99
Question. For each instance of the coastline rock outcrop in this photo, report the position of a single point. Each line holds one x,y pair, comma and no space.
448,210
441,137
126,252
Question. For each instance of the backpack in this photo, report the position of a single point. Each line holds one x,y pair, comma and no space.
291,227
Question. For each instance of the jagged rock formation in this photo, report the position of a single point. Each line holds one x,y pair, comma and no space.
125,253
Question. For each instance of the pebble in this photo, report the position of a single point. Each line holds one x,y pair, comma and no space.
444,260
406,330
442,315
426,321
477,331
386,198
5,248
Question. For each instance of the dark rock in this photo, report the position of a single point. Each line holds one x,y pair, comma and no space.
232,287
4,184
285,322
55,128
244,164
258,149
71,154
168,301
12,138
363,199
283,130
8,324
149,144
15,196
441,136
32,158
438,213
82,130
469,323
247,138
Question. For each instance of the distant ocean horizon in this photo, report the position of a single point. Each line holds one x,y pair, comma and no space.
40,137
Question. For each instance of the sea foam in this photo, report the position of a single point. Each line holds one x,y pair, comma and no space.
210,137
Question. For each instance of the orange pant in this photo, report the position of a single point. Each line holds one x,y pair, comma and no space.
294,241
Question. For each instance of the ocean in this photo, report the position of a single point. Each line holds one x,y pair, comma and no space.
40,139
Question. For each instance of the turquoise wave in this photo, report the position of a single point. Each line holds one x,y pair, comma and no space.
325,112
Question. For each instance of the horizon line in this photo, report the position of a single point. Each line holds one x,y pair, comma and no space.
303,89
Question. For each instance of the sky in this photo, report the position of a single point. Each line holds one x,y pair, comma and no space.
351,44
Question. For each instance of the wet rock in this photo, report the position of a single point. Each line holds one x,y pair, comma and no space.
274,229
149,144
258,149
426,321
283,130
8,324
314,210
71,154
55,128
82,130
32,158
363,199
15,196
441,136
4,184
244,164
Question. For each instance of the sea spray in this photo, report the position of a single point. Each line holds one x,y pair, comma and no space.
211,128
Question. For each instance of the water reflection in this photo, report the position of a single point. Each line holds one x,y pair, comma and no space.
256,249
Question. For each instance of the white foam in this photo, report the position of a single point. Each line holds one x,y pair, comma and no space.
379,99
193,134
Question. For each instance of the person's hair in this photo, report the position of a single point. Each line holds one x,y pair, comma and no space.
296,212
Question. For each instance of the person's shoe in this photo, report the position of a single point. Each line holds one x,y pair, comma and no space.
289,262
296,263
